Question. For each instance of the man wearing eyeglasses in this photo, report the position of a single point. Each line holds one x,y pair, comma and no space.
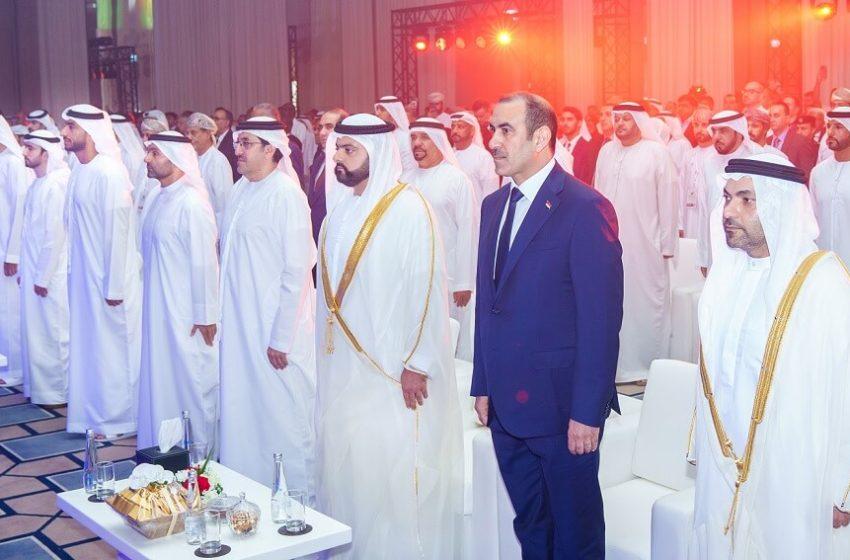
752,96
268,374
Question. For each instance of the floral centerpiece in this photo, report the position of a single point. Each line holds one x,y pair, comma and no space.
208,481
153,504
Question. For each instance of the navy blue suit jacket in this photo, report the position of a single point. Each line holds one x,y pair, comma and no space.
547,338
316,193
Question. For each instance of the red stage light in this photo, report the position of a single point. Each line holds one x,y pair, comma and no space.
823,10
504,37
460,42
420,43
481,42
441,43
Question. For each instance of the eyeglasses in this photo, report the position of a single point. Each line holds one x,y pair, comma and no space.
244,144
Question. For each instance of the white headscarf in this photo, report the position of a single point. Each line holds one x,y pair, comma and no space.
7,138
648,130
50,143
395,108
385,169
841,115
656,103
128,136
273,132
437,133
789,223
737,122
470,119
673,124
178,149
42,117
98,125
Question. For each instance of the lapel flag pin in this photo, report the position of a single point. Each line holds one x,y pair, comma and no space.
548,205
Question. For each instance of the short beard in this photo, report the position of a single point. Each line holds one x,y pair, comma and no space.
352,178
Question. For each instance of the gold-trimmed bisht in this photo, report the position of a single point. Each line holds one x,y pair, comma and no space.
765,380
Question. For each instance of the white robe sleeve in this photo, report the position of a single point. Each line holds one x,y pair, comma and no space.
17,181
54,236
425,338
201,232
467,226
487,177
703,220
219,182
299,256
666,185
117,205
842,483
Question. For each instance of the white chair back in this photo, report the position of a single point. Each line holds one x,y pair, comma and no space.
684,270
665,422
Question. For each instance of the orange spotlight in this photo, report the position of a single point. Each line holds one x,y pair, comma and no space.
420,43
460,42
480,42
441,43
504,37
823,10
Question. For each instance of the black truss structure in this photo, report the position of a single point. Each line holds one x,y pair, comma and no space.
612,36
785,60
119,64
545,76
292,55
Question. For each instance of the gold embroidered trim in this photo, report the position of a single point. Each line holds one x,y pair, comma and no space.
334,301
771,351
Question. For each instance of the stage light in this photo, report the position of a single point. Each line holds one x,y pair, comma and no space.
823,10
443,39
481,42
512,11
420,43
504,37
460,42
775,43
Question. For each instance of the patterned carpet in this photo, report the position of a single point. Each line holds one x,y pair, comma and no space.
37,460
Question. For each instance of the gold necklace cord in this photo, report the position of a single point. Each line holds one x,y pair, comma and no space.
771,351
335,302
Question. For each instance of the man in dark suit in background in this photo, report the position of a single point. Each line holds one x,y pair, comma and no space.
224,137
583,147
802,151
548,316
316,185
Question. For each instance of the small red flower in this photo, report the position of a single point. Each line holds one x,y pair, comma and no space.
203,482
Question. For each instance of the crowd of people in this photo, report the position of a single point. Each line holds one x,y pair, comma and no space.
292,282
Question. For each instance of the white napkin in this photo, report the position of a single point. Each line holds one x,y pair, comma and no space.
170,433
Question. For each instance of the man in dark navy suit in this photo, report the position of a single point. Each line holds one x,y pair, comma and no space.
316,187
548,315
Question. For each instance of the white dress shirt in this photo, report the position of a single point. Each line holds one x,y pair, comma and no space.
529,189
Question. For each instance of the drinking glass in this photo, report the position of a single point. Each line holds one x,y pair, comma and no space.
292,510
197,453
105,480
211,543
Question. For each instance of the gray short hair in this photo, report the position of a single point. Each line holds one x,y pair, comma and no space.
202,121
538,113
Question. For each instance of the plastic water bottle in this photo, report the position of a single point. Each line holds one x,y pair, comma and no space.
90,464
279,497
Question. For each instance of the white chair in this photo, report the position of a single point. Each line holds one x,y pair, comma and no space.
659,464
491,533
686,283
